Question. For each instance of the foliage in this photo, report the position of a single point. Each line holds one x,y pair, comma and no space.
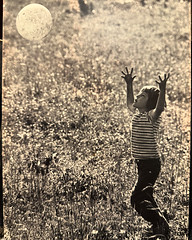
68,172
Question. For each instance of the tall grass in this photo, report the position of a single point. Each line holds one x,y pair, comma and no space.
68,171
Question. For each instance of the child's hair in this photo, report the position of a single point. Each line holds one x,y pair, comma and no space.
153,94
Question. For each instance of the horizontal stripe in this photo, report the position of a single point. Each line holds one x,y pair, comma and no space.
145,156
145,152
144,149
143,141
143,146
143,136
138,133
141,130
136,142
145,120
135,125
147,142
145,128
139,136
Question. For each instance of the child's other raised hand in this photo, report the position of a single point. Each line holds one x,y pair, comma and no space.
128,76
162,83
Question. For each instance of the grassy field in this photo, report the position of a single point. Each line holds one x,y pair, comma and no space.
67,168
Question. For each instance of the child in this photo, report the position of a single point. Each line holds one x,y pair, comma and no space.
150,102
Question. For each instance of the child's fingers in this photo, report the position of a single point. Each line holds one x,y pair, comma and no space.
160,78
123,77
157,82
133,77
168,75
131,70
127,70
123,73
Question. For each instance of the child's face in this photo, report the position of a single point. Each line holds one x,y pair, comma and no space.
141,100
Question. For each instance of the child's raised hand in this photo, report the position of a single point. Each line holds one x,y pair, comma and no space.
128,76
162,83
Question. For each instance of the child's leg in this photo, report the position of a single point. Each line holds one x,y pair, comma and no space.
142,197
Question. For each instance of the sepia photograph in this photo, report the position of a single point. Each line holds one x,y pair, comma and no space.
96,105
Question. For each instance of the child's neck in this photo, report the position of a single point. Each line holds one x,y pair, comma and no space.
142,110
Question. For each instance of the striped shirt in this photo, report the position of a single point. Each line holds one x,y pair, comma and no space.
143,137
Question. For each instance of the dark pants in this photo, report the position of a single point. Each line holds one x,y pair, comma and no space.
142,196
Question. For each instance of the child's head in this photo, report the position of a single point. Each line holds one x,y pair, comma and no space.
153,94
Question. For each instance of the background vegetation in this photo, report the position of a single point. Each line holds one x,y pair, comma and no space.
67,169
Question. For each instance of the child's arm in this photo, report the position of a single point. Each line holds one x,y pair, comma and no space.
129,81
161,100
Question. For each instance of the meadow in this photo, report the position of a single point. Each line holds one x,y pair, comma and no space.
67,166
